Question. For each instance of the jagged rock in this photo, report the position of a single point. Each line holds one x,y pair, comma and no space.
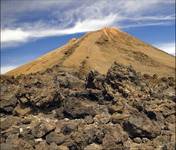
76,109
140,126
22,111
41,129
119,72
117,133
38,92
7,104
58,113
42,97
92,94
16,144
68,128
114,138
69,81
82,139
110,143
55,138
8,90
8,122
94,80
58,110
96,95
25,133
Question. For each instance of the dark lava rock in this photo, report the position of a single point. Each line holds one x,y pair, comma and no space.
114,138
67,80
8,122
55,138
89,135
43,97
41,129
7,105
55,109
141,126
74,108
94,80
68,128
16,144
8,101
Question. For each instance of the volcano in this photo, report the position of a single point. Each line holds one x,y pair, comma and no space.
125,99
98,50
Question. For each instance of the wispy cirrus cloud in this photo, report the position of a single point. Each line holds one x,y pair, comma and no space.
19,35
30,20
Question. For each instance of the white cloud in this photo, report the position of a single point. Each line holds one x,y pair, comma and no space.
146,24
69,17
5,69
9,36
14,35
92,24
167,47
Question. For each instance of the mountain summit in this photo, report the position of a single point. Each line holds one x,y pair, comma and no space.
98,50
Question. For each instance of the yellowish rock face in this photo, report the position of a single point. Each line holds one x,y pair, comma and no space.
98,50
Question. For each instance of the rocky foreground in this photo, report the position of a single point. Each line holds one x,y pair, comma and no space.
56,110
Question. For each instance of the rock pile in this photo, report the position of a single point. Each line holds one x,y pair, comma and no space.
55,110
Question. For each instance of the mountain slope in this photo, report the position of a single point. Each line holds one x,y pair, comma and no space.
98,50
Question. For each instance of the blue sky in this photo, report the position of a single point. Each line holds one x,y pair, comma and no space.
32,28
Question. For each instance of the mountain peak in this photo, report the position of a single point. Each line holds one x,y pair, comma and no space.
98,50
110,30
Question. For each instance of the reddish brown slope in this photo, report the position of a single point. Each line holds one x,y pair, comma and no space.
98,50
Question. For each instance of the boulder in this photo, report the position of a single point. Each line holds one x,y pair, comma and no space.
41,129
7,103
6,123
22,111
68,128
53,137
73,108
138,125
94,80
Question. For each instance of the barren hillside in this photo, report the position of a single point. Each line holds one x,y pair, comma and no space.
98,50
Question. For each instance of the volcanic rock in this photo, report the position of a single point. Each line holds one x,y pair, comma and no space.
55,109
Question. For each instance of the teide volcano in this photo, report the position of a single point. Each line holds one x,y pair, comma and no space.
52,107
98,50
